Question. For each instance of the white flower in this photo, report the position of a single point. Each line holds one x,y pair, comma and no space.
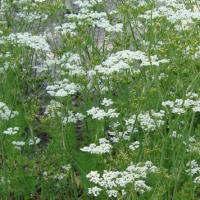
197,180
162,76
121,61
168,103
194,168
45,173
94,177
86,3
66,167
196,109
34,141
112,193
95,191
191,95
175,12
11,131
40,1
193,145
18,143
62,88
135,145
175,135
178,111
93,18
73,117
141,187
100,114
29,40
111,113
31,16
97,113
107,102
114,182
59,177
150,121
130,123
104,147
67,28
53,109
6,113
180,106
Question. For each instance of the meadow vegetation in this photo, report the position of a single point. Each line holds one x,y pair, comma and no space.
100,99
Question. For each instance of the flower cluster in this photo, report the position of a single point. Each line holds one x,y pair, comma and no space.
116,182
180,106
71,64
192,145
30,142
104,147
53,109
127,60
18,144
31,17
150,121
27,39
94,18
135,145
85,4
147,121
6,113
175,12
59,175
34,141
100,114
62,88
73,117
107,102
11,131
194,171
67,28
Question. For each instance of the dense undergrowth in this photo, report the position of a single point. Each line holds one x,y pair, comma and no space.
100,99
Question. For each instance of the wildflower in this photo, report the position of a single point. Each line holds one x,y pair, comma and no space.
18,144
53,109
34,141
67,28
6,113
100,114
107,102
95,191
112,193
104,147
73,117
135,145
97,113
114,182
29,40
11,131
141,187
62,88
150,121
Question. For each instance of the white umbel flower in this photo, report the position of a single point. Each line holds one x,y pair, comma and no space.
104,147
135,145
62,88
6,113
11,131
27,39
